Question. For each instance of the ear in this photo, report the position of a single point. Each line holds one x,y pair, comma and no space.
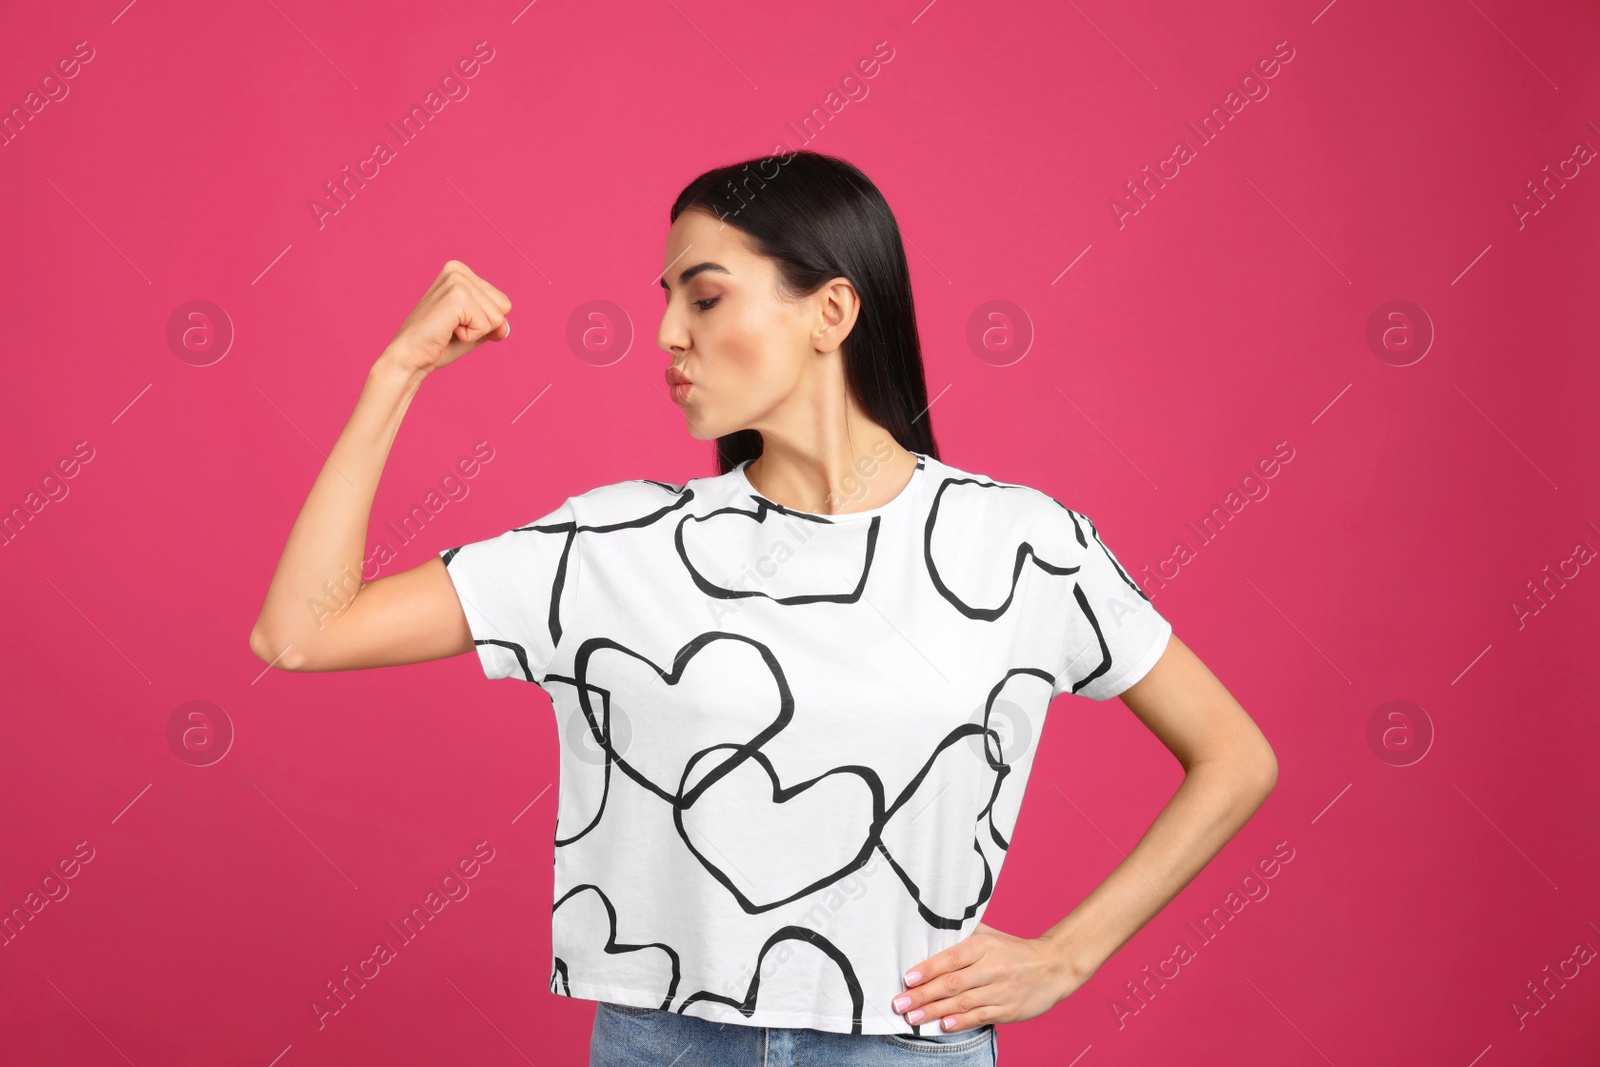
837,308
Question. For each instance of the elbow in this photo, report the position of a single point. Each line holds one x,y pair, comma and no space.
1271,778
273,652
1250,770
258,643
1248,763
1266,764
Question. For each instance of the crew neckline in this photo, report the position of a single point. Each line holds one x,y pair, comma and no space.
906,492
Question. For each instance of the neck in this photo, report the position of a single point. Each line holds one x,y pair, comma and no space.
834,477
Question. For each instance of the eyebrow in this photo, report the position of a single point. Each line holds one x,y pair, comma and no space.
698,268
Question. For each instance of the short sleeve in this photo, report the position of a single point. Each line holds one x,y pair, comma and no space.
1113,633
512,588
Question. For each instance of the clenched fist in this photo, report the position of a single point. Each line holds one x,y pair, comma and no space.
458,312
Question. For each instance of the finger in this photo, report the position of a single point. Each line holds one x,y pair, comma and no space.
452,271
958,955
501,300
957,994
961,1020
929,993
970,1007
475,320
923,980
949,1015
495,306
492,296
499,326
494,313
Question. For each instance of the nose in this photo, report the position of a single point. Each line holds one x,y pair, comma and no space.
671,334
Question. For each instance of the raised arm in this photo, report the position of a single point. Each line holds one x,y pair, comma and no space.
318,616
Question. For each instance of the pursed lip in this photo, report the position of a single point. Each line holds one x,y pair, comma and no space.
676,377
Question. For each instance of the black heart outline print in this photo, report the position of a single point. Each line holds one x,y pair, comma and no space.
612,947
762,510
747,1005
1024,552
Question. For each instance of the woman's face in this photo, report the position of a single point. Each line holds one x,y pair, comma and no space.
743,348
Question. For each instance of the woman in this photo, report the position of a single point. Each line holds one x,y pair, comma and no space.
799,699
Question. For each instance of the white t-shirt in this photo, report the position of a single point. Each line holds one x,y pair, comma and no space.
793,745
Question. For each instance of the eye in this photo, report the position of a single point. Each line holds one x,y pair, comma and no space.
706,305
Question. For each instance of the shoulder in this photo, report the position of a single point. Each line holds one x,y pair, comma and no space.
637,501
1014,503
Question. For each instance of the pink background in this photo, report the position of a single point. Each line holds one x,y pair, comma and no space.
1228,315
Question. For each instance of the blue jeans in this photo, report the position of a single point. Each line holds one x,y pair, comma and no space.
649,1037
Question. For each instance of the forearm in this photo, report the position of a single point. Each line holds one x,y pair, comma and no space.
1216,798
319,573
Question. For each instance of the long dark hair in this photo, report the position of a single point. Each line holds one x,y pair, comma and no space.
820,218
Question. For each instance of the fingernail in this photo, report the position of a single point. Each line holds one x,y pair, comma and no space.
915,1017
950,1022
913,977
902,1003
